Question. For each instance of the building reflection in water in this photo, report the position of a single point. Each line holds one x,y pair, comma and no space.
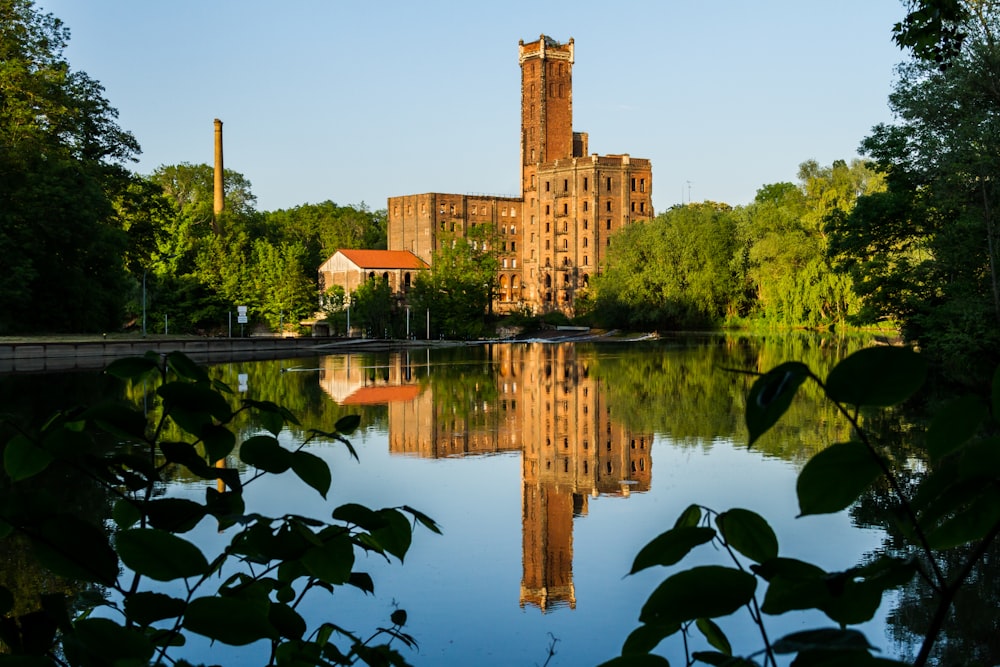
542,403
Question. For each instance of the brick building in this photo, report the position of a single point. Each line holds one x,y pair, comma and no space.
553,237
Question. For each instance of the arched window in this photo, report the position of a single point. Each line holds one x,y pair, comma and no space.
371,276
548,280
406,280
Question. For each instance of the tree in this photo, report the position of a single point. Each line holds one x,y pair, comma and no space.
62,153
926,252
372,307
673,272
459,288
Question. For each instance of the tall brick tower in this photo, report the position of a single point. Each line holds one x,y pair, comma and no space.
546,105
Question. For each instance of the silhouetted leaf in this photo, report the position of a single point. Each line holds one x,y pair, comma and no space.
691,516
186,368
770,396
670,547
398,617
362,581
73,548
332,562
22,458
637,660
748,533
836,477
953,424
226,506
424,520
193,406
721,659
980,458
265,453
234,621
312,470
131,368
160,555
877,376
288,622
146,607
219,441
647,637
972,523
118,419
826,639
100,641
395,536
707,591
125,513
175,515
359,515
346,424
714,635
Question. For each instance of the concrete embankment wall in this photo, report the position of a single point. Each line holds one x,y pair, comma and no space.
54,356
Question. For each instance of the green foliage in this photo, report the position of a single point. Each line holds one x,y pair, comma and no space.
372,306
925,252
246,592
459,288
60,163
950,520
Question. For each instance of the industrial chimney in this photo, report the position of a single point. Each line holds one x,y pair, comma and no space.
219,183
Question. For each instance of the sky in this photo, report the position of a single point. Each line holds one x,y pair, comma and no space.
356,101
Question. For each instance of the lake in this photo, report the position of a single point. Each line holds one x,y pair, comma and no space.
548,466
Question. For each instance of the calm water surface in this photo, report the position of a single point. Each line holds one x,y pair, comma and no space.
548,466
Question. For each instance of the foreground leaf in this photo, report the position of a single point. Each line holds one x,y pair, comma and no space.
670,547
835,477
230,620
708,591
877,376
160,555
748,533
770,396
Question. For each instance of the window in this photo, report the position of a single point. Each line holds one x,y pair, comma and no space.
633,185
503,212
532,180
513,212
513,246
609,223
453,209
586,262
546,186
565,209
608,243
546,226
546,209
586,184
565,226
642,207
633,207
607,206
585,206
565,244
585,224
565,185
609,184
513,229
642,185
584,242
547,246
475,210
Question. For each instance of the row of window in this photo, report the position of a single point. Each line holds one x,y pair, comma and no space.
638,184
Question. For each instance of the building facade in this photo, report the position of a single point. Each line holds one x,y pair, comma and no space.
554,236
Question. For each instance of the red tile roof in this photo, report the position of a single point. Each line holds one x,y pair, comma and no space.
384,259
382,395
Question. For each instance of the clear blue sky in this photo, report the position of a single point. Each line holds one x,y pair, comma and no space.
357,101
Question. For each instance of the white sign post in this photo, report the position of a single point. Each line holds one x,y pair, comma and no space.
241,317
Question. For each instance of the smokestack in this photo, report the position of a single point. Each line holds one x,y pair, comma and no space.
218,203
